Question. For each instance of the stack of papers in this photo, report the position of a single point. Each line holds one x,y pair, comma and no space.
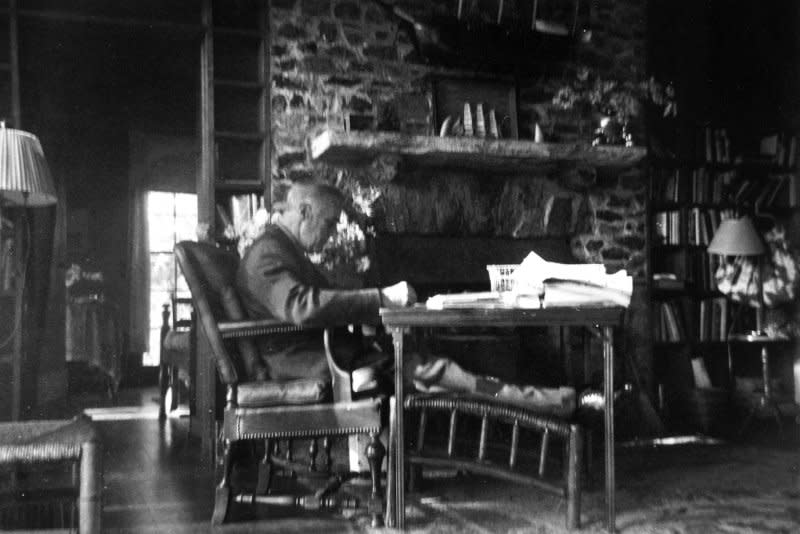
488,299
539,283
561,284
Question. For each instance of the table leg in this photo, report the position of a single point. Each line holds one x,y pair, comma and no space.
608,394
399,441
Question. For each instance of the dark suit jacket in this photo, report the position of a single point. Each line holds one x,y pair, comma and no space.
277,280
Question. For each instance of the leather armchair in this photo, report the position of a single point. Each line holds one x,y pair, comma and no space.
270,411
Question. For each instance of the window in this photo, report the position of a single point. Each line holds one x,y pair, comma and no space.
171,217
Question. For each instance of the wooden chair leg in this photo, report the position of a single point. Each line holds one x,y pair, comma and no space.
265,470
90,498
163,385
222,497
175,386
574,467
375,453
415,471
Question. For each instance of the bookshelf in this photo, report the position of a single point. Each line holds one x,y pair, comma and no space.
234,178
726,174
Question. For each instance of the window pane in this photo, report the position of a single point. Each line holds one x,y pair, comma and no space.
161,233
181,287
162,272
154,356
171,217
186,228
186,204
160,203
157,301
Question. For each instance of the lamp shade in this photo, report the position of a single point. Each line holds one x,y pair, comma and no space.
737,237
24,176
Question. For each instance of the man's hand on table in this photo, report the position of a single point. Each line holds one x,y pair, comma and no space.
398,295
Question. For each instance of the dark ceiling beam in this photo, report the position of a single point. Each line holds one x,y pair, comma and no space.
128,22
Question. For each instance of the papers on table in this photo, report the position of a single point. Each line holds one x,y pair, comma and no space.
539,283
562,284
488,299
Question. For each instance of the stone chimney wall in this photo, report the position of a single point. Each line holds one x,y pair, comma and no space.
347,64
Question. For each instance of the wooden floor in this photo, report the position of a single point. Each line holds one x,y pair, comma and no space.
156,482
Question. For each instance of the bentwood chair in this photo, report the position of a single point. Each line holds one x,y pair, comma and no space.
272,411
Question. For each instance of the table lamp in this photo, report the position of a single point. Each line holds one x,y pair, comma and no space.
739,237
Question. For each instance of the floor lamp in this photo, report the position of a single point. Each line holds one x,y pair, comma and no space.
24,181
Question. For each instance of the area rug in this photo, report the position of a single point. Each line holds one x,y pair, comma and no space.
698,490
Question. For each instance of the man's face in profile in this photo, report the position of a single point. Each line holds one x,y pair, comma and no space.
319,224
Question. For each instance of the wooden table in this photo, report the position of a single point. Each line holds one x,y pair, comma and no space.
600,320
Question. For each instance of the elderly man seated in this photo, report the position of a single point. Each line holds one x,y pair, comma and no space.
277,280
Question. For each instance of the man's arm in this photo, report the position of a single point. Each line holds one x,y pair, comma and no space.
286,285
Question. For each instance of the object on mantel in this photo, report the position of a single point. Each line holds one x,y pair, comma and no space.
494,37
511,155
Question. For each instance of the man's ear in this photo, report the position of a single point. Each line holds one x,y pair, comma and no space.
305,210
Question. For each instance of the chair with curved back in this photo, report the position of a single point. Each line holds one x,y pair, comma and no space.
271,411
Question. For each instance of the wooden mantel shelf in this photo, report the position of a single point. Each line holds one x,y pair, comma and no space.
355,148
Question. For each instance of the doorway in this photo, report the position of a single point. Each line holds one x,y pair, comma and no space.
171,217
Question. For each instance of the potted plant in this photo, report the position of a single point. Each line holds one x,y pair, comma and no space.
614,105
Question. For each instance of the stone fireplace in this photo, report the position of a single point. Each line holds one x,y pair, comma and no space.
347,65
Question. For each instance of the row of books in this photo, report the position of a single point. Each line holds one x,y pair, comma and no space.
703,186
667,227
785,192
669,324
699,274
712,321
716,145
780,149
702,266
711,187
703,223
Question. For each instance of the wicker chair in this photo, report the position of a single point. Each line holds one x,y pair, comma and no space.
270,411
34,444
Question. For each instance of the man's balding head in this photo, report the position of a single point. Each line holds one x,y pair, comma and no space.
311,213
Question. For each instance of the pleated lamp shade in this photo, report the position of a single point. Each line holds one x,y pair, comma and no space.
24,176
737,237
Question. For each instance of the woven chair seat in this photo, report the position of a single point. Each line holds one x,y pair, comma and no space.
177,341
30,442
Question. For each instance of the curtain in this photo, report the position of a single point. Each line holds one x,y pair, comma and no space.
139,267
159,162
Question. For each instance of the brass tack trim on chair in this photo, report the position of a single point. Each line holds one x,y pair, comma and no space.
305,435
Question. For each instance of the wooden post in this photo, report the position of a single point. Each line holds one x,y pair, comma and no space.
90,495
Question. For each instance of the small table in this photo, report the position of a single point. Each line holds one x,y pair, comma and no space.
601,320
765,400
